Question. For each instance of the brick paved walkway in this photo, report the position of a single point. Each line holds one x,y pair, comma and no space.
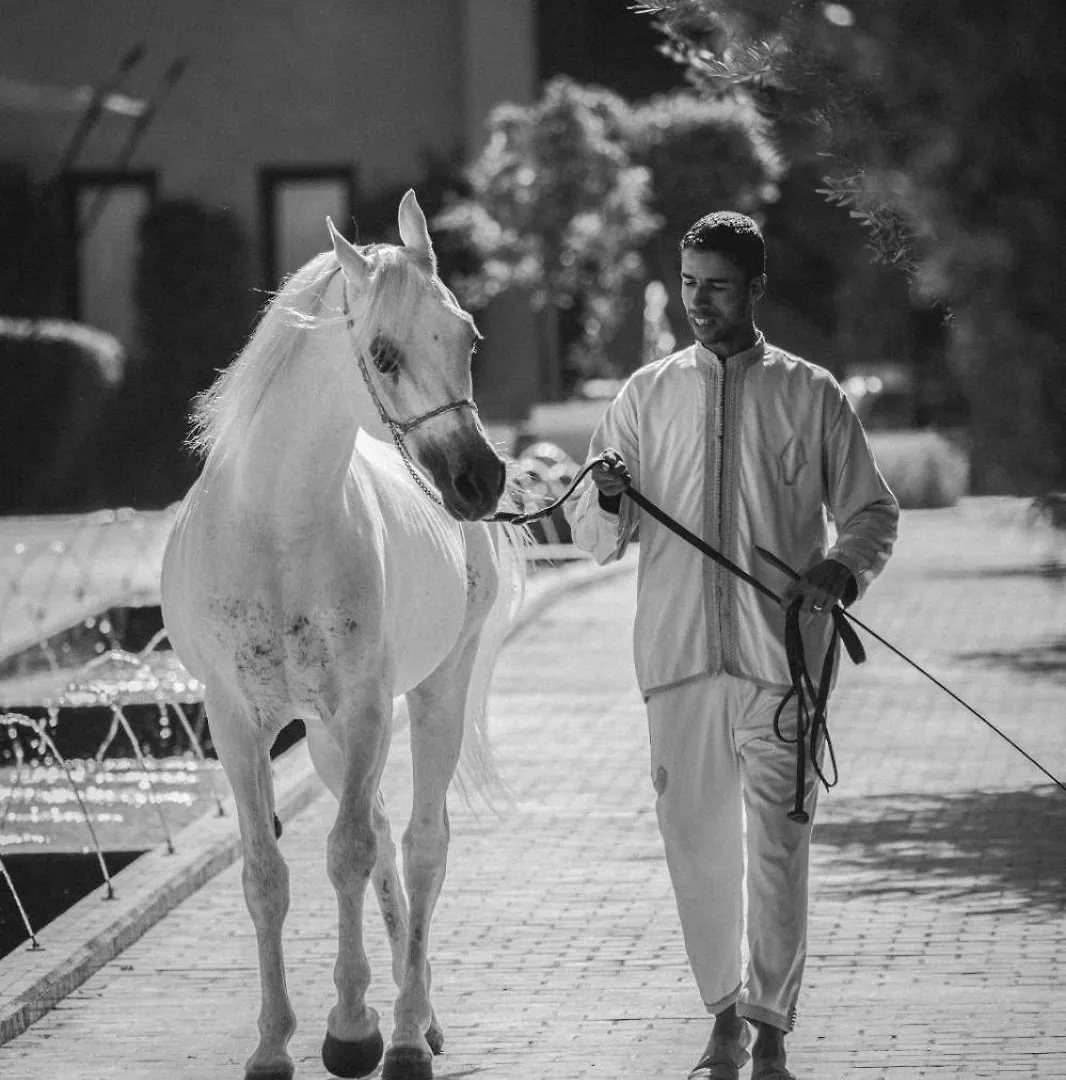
938,915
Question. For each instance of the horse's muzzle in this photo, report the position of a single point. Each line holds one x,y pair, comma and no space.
475,489
468,474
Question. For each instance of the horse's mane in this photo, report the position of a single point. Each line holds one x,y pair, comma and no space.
222,414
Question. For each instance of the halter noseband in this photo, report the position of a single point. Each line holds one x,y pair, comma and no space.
399,428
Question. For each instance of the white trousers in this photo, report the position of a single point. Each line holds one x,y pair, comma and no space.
725,784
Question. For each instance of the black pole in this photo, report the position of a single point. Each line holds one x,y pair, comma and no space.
92,111
137,131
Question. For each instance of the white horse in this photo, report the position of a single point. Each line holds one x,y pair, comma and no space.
329,558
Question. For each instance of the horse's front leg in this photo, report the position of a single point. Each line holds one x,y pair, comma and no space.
353,1044
436,709
243,750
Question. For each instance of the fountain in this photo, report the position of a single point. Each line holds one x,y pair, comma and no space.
65,582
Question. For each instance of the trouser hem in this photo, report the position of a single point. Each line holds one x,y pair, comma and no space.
767,1016
715,1007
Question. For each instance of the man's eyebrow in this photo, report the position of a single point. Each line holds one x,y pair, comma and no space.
716,280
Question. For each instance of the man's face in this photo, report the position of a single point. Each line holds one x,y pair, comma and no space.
718,299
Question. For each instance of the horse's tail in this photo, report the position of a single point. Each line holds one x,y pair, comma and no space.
477,772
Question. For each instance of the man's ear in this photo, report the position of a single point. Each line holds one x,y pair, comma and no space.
757,287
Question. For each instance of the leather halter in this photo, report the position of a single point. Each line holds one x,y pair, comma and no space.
399,428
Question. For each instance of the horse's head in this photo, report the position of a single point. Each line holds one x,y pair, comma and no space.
415,345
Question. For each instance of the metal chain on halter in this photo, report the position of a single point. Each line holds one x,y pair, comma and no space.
397,438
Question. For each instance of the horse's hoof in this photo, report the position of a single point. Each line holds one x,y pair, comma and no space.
359,1057
407,1063
435,1036
270,1072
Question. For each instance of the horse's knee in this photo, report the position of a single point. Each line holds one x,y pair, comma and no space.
351,854
425,843
265,878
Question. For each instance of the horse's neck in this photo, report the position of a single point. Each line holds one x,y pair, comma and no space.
299,448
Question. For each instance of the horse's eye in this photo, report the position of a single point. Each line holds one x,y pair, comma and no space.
386,355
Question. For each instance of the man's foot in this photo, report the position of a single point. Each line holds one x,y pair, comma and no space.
726,1053
771,1070
768,1054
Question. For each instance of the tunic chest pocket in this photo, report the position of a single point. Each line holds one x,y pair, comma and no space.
791,461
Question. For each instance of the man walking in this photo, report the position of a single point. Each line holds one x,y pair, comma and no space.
745,445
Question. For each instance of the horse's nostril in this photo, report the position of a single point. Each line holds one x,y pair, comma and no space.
479,488
468,487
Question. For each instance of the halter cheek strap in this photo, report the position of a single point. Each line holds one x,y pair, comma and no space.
399,428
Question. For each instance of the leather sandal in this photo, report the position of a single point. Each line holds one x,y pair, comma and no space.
769,1070
723,1060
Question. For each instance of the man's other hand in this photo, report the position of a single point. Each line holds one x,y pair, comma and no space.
820,587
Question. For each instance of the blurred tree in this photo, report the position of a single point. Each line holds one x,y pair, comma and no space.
941,124
32,260
575,197
195,306
557,207
57,381
701,154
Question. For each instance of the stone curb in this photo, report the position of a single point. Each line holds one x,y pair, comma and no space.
92,932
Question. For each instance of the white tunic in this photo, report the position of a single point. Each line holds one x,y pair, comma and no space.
753,450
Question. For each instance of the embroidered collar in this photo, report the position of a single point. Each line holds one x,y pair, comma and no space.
743,358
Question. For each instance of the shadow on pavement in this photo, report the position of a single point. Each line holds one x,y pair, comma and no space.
1046,658
1050,569
1000,845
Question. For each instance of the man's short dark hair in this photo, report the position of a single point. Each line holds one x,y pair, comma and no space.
733,234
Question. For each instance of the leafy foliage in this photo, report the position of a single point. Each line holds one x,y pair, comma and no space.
194,310
702,154
29,277
576,197
941,125
557,205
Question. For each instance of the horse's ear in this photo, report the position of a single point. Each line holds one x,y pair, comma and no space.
414,232
355,265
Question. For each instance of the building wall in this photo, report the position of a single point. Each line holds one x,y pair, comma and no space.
269,82
277,83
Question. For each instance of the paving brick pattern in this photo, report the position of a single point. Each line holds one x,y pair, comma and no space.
938,919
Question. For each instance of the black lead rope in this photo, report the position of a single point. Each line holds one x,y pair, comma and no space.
811,702
812,726
812,707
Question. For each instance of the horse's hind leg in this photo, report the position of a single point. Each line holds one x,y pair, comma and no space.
353,1044
326,755
436,709
393,903
243,749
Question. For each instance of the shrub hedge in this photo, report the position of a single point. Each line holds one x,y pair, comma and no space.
926,469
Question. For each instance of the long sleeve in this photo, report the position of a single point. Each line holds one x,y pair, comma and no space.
595,530
864,509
